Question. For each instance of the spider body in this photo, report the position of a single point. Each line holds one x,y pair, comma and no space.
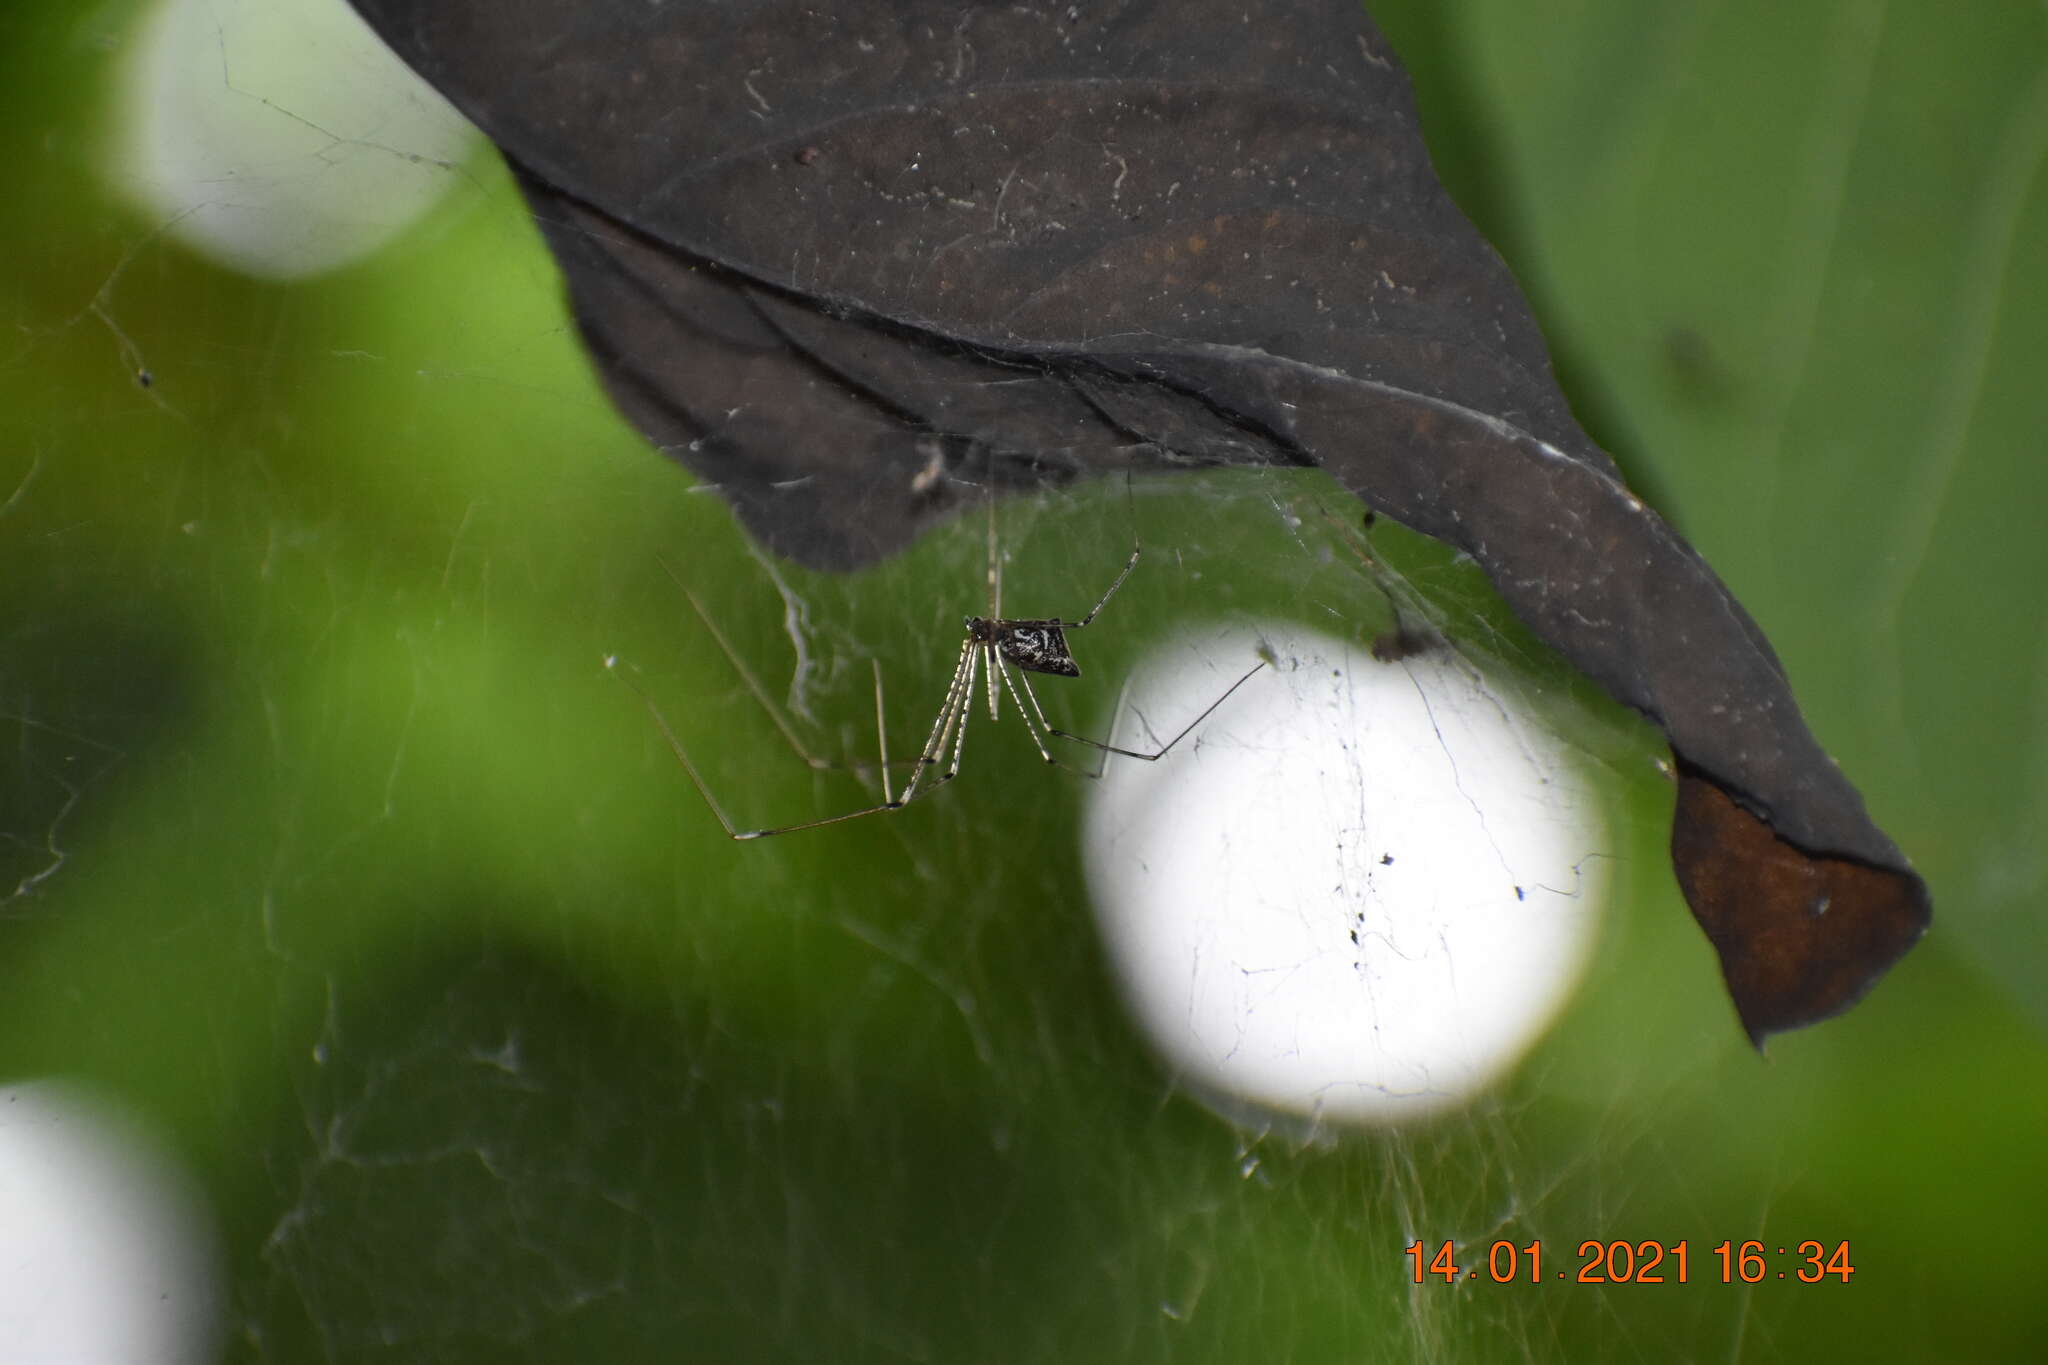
1035,646
998,651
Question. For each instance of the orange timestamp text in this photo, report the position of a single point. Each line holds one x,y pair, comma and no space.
1598,1262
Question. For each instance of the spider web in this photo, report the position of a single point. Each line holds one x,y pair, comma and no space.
333,850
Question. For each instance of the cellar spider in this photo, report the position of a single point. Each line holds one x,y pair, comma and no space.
1001,650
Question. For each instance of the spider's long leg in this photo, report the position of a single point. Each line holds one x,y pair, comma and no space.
1129,564
761,698
1137,548
1012,681
951,721
994,661
995,561
676,746
997,664
952,714
961,708
746,675
882,736
1104,752
1166,748
950,724
1027,706
1116,715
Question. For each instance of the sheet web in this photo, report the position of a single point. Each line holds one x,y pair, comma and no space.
953,940
343,856
524,1056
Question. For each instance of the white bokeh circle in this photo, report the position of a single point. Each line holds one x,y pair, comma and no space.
106,1251
280,137
1359,892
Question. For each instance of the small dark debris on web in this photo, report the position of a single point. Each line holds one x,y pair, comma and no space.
1402,642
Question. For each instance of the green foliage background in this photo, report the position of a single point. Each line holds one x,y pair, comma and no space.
377,895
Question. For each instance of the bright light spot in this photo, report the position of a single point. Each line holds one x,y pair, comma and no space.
105,1254
280,137
1359,892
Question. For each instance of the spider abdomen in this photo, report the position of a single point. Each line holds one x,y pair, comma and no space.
1036,646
